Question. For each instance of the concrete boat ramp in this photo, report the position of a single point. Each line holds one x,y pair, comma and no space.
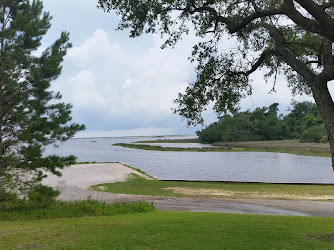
76,179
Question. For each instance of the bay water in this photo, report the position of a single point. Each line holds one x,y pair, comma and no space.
201,166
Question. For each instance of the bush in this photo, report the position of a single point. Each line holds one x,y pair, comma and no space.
313,134
324,139
43,195
7,197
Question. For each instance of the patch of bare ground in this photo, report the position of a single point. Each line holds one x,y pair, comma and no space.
326,237
221,193
102,188
329,237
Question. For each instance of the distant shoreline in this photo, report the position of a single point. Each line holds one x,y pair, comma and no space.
192,136
282,146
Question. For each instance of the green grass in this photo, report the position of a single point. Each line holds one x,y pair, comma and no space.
21,210
283,146
160,148
171,230
85,162
138,185
156,148
188,140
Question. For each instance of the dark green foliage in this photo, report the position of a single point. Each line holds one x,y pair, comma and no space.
42,195
314,134
302,116
31,115
7,196
265,124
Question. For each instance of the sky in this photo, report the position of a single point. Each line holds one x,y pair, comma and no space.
121,86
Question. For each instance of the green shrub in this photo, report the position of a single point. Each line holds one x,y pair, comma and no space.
324,139
6,197
43,195
313,134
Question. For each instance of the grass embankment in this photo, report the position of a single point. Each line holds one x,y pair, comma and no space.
188,140
159,148
284,146
24,210
171,230
138,185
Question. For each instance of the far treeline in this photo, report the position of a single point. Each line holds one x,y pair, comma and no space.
304,123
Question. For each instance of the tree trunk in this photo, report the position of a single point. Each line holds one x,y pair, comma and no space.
325,104
2,44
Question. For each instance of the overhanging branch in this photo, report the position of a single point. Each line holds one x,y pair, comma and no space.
287,55
264,55
260,60
316,11
317,26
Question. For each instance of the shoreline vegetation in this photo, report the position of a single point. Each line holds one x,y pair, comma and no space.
138,185
277,146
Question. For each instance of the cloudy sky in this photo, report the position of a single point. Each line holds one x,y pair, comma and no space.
125,86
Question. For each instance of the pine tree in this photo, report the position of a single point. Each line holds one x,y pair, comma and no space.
31,115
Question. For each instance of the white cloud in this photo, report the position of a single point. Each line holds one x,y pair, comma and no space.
84,93
127,84
117,85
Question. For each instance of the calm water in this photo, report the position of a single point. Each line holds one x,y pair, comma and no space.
213,166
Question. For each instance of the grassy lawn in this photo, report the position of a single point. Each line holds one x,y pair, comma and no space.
283,146
138,185
171,230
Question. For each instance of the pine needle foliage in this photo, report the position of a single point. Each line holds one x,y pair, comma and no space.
32,116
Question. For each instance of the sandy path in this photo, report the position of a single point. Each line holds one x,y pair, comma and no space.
86,175
76,180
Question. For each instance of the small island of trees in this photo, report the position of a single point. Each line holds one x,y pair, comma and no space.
304,123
